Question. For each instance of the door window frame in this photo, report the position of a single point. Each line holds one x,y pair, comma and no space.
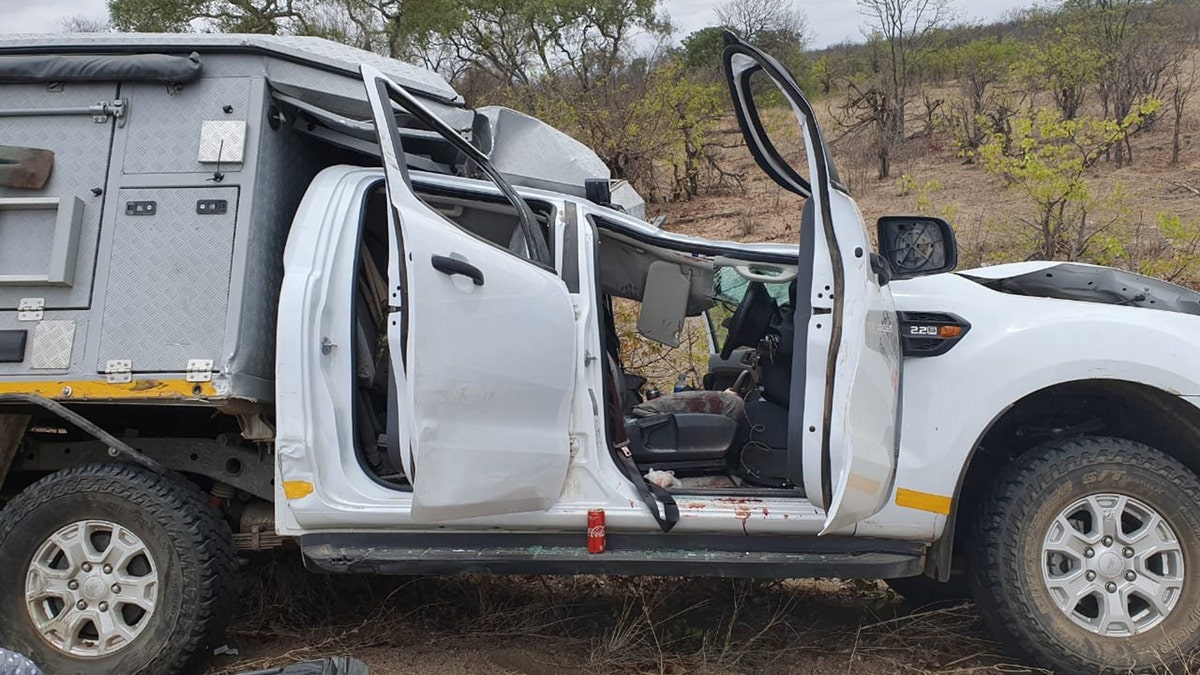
535,240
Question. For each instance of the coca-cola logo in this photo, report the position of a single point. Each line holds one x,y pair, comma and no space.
596,532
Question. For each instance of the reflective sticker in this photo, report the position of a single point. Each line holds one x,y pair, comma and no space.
93,390
923,501
295,489
864,484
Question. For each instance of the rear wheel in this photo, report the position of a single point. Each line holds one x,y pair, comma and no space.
111,568
1082,555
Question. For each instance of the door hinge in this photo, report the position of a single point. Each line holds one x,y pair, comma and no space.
118,371
199,370
30,309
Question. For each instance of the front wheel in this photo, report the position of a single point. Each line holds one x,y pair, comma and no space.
110,568
1082,556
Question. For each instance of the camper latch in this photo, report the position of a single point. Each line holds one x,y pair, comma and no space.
99,111
118,371
199,370
103,109
30,309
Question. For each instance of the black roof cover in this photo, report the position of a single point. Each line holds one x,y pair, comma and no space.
127,67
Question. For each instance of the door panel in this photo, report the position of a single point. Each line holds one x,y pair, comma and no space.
845,396
483,351
145,319
38,256
864,414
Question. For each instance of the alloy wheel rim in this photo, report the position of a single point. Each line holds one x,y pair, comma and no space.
1113,565
91,588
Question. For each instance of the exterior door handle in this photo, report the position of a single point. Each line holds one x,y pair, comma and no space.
452,266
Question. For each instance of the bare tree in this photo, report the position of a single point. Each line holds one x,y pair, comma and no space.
1138,43
907,29
902,35
78,23
758,19
1183,76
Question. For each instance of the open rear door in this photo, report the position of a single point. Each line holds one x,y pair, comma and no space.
482,341
844,417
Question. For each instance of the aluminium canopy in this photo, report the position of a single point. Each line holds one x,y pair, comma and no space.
321,79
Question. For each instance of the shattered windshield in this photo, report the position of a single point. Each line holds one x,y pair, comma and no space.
729,288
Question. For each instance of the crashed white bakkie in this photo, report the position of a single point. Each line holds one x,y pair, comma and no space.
268,290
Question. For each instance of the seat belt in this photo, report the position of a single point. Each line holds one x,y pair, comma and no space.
652,495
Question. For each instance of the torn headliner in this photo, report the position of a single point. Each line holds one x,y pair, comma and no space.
628,246
1088,283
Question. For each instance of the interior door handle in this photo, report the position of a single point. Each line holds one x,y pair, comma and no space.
447,265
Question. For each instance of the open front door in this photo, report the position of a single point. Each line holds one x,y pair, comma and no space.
844,418
482,342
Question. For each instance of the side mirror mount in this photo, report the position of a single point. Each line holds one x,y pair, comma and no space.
915,246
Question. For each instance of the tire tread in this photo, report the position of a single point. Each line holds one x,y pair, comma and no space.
180,506
996,540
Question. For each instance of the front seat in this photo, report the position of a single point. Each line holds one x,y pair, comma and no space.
693,436
686,443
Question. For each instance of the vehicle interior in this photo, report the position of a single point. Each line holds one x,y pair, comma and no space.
728,435
729,432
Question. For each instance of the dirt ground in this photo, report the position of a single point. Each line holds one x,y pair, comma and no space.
547,626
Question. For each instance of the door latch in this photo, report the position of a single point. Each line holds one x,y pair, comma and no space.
327,346
103,109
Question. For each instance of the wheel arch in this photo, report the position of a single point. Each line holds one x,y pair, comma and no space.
202,454
1131,410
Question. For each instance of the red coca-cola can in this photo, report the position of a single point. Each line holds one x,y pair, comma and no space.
596,531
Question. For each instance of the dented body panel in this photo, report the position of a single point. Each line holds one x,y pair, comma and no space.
1018,345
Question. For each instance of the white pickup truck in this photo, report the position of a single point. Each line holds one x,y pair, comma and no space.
447,397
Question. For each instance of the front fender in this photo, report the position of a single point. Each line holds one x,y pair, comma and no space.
1017,345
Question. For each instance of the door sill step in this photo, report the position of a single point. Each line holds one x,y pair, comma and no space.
343,554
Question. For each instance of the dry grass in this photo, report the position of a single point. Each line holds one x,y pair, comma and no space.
596,625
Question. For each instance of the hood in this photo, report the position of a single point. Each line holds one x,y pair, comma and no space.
1086,283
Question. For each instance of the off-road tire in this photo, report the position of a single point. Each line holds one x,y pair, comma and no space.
191,544
1007,554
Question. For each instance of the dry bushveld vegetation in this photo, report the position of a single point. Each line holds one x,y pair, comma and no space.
542,625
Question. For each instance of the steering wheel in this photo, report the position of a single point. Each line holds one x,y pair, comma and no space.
750,320
744,383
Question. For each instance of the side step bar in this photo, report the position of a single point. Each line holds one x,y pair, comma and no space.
627,555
